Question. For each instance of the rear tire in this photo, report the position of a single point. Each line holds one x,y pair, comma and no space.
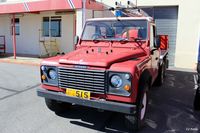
197,100
136,121
57,107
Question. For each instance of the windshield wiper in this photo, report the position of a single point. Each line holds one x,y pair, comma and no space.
96,40
126,40
137,40
123,40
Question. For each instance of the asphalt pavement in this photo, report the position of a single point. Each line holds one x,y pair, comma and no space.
22,111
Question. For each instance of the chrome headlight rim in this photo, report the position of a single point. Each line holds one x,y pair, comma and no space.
116,81
120,91
49,79
52,74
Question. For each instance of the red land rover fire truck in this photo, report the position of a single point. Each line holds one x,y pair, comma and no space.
115,63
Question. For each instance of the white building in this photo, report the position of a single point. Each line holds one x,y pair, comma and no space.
41,22
178,19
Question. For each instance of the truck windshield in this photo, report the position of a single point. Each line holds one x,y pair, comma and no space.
115,30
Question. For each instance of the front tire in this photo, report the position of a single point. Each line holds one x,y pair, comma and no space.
136,121
57,107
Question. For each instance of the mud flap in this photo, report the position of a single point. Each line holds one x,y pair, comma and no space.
197,94
197,99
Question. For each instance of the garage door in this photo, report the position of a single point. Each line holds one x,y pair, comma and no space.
166,21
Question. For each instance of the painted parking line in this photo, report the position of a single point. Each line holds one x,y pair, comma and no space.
2,88
19,92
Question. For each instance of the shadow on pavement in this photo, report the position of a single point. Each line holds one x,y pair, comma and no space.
170,110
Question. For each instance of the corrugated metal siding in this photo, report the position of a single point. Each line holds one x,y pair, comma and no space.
166,21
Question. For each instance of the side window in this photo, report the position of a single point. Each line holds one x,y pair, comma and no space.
152,36
55,26
52,26
17,26
45,26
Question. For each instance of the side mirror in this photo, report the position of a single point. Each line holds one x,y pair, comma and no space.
157,42
76,40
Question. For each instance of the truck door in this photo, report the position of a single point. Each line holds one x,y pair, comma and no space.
155,54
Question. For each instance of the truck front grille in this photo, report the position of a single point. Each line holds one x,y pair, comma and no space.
82,79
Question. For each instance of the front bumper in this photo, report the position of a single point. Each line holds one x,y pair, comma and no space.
99,104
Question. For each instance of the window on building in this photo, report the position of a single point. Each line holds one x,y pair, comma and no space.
17,26
46,26
52,26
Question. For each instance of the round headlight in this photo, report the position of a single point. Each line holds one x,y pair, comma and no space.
116,81
52,74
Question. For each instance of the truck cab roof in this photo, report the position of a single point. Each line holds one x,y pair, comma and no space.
150,19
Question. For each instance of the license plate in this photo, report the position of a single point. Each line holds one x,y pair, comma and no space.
78,93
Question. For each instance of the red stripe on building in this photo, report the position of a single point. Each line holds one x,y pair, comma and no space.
12,8
77,3
35,6
48,5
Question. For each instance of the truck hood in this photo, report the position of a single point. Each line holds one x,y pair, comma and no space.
100,57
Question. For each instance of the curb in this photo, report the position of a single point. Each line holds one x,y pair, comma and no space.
21,62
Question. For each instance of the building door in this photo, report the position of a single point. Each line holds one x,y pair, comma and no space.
58,31
166,22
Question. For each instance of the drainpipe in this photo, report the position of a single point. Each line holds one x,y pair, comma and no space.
14,36
84,13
